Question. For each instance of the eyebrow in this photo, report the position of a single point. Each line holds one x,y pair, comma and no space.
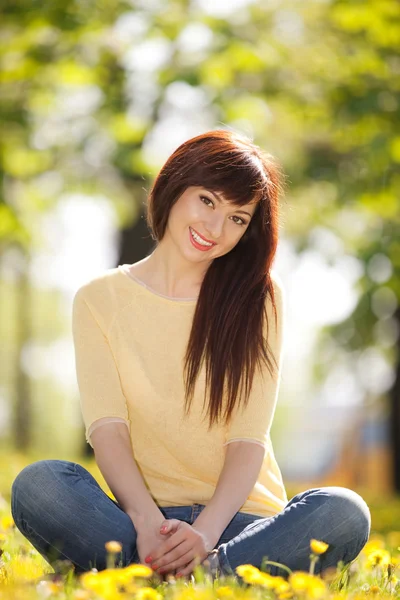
219,200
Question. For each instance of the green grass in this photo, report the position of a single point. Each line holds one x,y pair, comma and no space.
23,570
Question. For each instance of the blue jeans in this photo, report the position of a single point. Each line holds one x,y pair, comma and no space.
64,513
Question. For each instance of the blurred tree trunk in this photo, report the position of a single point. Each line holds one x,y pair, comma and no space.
23,403
135,243
395,413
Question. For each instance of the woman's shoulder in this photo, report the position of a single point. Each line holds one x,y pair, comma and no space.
105,294
101,283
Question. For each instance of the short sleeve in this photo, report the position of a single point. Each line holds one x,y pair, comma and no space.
98,378
103,421
253,423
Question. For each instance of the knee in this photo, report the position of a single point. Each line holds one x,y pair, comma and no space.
350,512
33,483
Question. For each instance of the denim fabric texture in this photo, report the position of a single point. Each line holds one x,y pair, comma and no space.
64,513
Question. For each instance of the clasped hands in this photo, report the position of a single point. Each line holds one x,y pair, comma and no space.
184,549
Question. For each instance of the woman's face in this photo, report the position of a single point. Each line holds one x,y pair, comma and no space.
200,210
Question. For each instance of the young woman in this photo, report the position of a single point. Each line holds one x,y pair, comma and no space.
178,361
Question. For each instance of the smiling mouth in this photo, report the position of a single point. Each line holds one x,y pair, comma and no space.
200,240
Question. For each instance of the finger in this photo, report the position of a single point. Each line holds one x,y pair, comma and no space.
167,529
169,525
178,564
172,569
172,556
154,555
187,569
191,559
163,549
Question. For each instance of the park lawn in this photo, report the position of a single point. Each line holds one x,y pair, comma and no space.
24,574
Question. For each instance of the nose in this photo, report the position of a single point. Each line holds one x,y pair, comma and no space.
214,226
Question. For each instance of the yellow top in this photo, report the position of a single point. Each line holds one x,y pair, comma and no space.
129,344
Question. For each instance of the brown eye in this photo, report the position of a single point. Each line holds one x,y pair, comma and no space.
242,221
205,198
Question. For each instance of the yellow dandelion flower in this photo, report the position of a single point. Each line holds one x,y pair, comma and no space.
378,557
103,583
318,547
224,591
374,543
7,522
113,574
202,594
280,583
282,587
113,546
375,589
299,580
93,580
137,570
317,588
147,593
393,579
128,587
188,593
112,580
266,580
285,595
22,568
81,595
249,573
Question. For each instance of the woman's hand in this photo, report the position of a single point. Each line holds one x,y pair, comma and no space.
148,539
185,548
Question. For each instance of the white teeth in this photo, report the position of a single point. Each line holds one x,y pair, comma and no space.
199,239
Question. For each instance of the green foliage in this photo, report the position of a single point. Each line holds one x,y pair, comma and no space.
315,83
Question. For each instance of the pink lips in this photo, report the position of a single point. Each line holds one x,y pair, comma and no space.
199,246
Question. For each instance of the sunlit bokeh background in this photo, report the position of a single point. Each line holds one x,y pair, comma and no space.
94,98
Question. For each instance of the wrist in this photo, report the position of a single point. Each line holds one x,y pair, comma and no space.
210,538
147,520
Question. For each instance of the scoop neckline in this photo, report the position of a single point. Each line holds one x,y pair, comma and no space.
124,270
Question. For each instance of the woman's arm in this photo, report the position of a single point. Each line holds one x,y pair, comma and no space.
251,425
240,471
114,457
103,404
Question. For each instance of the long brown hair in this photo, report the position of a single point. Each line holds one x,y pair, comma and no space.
228,324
